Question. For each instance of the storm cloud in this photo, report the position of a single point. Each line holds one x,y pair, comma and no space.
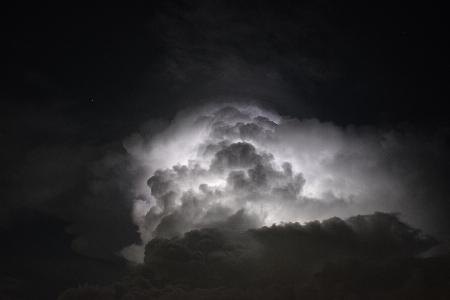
362,255
141,124
235,166
283,254
239,166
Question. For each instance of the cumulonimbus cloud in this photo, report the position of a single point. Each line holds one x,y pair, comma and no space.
239,166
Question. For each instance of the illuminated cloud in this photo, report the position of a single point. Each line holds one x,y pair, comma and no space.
238,166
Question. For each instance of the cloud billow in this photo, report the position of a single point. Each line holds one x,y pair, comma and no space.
238,166
279,254
233,201
364,255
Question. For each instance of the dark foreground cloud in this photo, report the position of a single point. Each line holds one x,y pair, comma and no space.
283,254
364,254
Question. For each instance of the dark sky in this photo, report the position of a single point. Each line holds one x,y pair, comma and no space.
79,79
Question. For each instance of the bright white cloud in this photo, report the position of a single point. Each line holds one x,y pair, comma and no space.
239,166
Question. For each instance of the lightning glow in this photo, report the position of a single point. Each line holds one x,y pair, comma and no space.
239,166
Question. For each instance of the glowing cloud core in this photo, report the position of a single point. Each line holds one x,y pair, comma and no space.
238,166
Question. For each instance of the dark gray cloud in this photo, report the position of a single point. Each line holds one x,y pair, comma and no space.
82,185
83,188
283,254
272,38
362,255
256,50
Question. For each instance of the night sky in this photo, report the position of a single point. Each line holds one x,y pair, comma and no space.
151,145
